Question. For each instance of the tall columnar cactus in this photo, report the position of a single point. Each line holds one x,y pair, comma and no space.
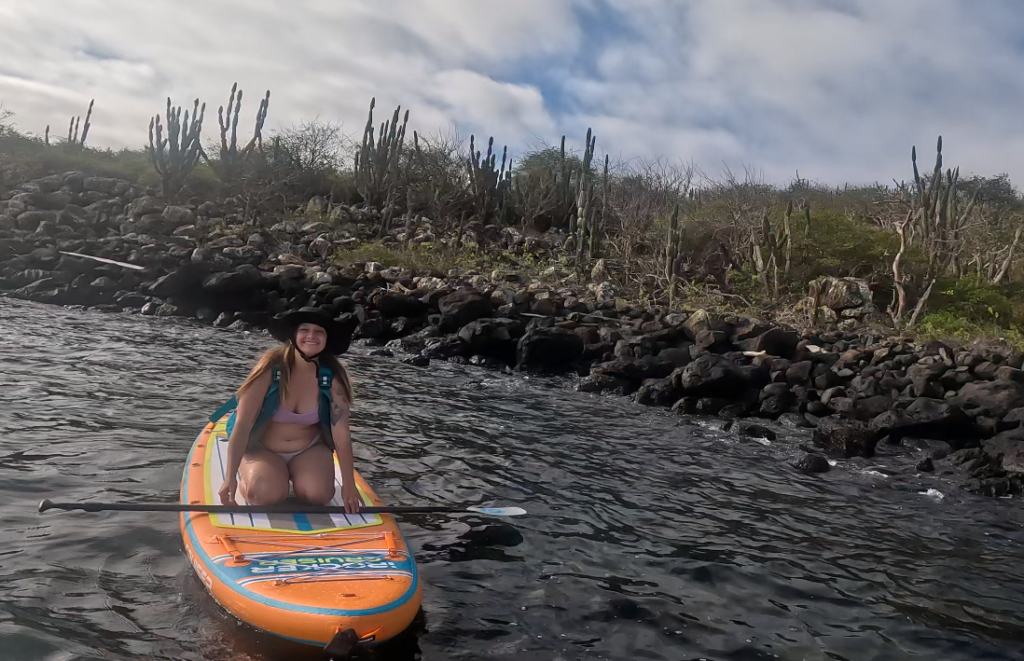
175,156
73,139
564,184
377,164
231,157
673,247
586,221
772,246
584,192
489,184
937,216
938,223
595,238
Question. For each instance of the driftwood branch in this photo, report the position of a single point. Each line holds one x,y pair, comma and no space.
1005,268
899,303
920,304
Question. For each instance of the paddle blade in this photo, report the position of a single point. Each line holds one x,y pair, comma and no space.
498,511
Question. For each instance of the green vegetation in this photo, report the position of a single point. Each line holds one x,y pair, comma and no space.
422,260
940,252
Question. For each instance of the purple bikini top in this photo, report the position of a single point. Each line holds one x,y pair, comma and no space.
290,417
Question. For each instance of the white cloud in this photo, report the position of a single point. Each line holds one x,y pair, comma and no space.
837,90
840,94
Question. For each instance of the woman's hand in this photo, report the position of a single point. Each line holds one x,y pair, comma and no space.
227,492
350,495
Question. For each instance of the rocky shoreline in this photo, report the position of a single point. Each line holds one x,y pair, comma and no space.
956,411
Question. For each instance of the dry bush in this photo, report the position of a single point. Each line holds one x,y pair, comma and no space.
642,196
436,180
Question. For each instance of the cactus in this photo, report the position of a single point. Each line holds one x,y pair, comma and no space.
673,243
73,126
776,242
582,187
594,234
787,236
376,166
176,156
586,223
564,186
231,158
489,185
936,214
938,223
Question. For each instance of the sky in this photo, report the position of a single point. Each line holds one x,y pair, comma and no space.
835,90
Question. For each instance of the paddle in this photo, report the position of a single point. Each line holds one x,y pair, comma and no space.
280,508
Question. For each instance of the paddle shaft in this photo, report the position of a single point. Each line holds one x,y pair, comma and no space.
280,508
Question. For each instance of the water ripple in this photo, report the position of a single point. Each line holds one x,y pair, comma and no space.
650,537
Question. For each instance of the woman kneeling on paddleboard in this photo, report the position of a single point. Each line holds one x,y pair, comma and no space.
292,413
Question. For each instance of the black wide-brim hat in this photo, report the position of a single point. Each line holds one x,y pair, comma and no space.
283,327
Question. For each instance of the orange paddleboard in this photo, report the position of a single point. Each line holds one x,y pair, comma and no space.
303,577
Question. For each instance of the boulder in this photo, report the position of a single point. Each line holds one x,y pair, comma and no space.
53,201
990,398
447,347
495,338
925,376
812,462
395,304
712,340
677,356
850,438
799,373
711,375
697,322
176,216
758,431
601,383
1008,450
928,418
633,369
106,185
657,392
241,280
997,467
1008,373
774,342
185,280
747,328
144,206
842,294
546,349
31,220
461,307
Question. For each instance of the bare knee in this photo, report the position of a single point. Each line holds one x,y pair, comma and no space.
265,492
315,492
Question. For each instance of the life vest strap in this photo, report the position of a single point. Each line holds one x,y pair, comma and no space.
325,378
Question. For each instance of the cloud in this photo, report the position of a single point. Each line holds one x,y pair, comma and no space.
837,90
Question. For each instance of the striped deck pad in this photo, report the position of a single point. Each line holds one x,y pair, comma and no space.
216,458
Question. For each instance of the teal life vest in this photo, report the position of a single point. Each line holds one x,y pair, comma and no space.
273,399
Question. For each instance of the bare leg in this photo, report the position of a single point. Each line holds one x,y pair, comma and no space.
313,475
264,477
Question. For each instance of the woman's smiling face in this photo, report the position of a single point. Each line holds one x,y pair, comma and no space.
311,339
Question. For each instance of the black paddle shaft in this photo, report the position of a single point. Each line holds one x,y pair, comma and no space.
280,508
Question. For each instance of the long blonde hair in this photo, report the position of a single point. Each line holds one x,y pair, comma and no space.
282,357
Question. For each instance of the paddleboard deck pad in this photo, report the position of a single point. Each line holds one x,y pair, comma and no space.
304,577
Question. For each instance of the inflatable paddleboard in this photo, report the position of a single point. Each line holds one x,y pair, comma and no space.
303,577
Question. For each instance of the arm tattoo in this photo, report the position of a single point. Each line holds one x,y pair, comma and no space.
337,413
